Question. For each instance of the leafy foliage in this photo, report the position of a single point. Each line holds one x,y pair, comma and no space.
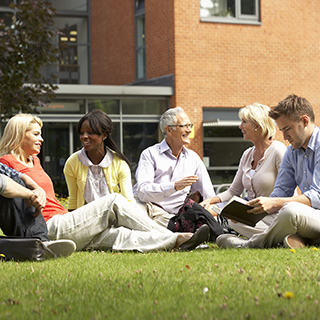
26,46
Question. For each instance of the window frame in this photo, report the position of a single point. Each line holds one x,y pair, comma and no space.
221,117
138,14
239,18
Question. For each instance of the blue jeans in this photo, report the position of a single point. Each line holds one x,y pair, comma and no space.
17,220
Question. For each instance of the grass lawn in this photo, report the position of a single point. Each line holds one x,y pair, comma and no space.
208,284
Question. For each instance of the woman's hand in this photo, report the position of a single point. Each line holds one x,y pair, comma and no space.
206,203
37,200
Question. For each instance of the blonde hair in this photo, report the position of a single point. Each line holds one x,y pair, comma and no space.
259,114
15,131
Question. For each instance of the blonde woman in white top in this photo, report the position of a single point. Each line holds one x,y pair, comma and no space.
258,167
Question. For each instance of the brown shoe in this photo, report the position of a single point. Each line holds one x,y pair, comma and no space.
294,241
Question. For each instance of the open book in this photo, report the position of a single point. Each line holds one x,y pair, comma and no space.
236,209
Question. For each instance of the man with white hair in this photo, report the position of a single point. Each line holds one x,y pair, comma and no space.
167,171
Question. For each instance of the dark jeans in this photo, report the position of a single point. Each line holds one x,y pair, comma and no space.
17,220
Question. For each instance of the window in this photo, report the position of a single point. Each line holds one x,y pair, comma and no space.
70,5
71,106
140,40
6,12
230,11
72,21
6,3
135,127
223,144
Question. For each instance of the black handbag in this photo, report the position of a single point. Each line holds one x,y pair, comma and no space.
24,249
191,217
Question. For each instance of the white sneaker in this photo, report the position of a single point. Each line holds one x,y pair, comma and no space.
202,247
62,248
294,241
231,241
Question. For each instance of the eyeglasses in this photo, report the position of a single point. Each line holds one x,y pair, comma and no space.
188,125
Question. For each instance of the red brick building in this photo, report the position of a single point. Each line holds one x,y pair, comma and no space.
214,62
135,58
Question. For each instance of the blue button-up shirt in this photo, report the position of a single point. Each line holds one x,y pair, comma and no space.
9,172
301,168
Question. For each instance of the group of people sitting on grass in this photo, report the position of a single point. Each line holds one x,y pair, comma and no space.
106,213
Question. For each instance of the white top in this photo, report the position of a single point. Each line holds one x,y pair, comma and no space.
262,182
157,171
96,183
251,173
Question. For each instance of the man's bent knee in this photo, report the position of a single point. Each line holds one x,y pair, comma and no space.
289,213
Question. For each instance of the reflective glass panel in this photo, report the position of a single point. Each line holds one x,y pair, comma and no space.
224,153
6,17
73,42
115,134
73,65
217,8
141,66
55,151
5,3
140,31
110,106
221,176
70,5
139,5
64,107
154,106
77,145
248,7
222,132
142,106
136,138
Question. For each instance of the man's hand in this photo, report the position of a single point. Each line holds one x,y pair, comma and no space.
265,204
272,205
37,200
185,182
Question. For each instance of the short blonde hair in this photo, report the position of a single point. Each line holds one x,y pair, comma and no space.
15,131
259,114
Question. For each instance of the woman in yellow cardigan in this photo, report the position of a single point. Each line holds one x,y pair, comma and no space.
99,168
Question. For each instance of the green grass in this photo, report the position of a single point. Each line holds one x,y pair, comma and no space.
208,284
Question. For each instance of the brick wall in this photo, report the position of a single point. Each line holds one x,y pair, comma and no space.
159,38
228,65
215,64
112,42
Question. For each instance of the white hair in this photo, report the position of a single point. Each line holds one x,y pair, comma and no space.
169,118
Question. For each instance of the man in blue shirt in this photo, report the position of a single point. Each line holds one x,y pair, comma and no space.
21,203
21,206
298,221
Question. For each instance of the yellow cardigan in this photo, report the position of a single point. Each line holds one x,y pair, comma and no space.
118,176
